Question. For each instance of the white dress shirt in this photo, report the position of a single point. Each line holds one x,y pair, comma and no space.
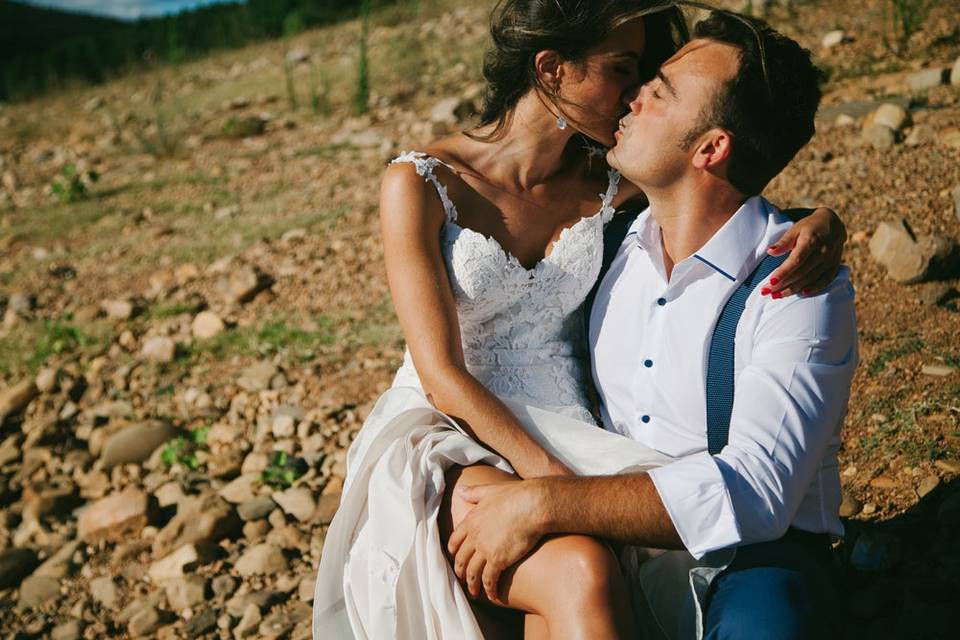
795,358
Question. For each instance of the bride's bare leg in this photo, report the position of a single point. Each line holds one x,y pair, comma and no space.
572,582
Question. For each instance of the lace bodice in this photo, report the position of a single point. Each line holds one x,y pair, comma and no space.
520,327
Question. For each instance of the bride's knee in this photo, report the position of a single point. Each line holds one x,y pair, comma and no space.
585,568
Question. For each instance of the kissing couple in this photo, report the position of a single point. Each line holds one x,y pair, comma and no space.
614,419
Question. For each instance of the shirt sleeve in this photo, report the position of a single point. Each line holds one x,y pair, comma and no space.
790,401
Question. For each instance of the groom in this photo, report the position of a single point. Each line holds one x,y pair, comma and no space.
754,493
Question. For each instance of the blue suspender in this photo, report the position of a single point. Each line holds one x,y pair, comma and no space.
720,364
613,237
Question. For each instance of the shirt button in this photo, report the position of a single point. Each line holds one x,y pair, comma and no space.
648,363
661,301
645,419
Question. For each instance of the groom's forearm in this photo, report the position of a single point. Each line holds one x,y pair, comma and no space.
624,508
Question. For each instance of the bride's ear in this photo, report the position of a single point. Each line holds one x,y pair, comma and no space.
549,67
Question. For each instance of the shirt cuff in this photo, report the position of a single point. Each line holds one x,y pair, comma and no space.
696,497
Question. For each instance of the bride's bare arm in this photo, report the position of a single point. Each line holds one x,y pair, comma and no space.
411,217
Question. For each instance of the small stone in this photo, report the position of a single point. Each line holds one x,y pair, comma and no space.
307,588
296,501
209,520
184,559
926,79
298,55
255,530
134,444
869,509
919,134
16,398
117,309
240,489
223,586
186,592
832,39
928,485
955,73
262,600
936,294
69,630
115,518
257,376
242,284
256,508
37,590
890,115
327,508
261,559
884,483
200,624
206,325
159,348
949,465
248,623
46,380
879,136
281,623
937,370
104,591
15,565
144,623
850,506
845,120
875,551
244,127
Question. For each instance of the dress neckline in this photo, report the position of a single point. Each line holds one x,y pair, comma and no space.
425,164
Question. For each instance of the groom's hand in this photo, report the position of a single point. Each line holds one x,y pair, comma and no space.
505,523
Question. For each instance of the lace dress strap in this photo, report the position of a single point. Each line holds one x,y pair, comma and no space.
425,164
613,185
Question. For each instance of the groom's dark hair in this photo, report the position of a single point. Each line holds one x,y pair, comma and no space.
768,107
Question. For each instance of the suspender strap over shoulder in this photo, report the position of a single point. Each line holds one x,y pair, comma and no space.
720,364
613,237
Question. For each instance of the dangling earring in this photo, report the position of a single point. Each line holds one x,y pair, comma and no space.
561,122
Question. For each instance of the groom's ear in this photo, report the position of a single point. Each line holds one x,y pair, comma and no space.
713,150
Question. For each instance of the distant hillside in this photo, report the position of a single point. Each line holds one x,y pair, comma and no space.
43,48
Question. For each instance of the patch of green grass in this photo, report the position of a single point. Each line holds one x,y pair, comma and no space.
907,346
268,339
26,348
283,470
183,450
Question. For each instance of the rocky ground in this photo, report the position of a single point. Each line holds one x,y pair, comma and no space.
195,318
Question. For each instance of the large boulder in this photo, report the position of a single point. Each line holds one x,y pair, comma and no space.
134,444
908,258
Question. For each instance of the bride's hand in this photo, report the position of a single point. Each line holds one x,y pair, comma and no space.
815,243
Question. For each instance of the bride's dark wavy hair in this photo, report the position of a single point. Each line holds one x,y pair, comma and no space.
522,28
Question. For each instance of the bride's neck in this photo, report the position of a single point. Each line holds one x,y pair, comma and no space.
532,147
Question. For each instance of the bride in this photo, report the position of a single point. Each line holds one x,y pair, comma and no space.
492,241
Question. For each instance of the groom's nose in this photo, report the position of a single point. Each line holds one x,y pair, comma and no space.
631,95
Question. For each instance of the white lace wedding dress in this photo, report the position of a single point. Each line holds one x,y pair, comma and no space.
383,573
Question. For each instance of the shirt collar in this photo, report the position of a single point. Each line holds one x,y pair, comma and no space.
732,251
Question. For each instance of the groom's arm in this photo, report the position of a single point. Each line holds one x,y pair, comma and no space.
623,508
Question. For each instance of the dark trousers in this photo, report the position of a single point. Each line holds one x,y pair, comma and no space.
784,590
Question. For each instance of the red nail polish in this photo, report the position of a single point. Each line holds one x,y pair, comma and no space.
765,291
774,281
777,295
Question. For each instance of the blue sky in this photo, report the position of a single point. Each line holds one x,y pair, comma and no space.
124,9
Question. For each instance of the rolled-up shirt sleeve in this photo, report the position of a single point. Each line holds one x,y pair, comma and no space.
790,401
